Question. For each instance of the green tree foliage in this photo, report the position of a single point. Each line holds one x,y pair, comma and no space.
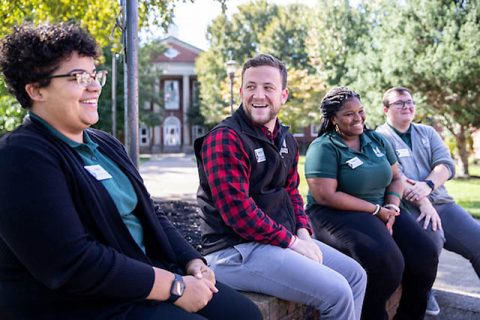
305,93
105,101
338,30
258,27
432,47
149,94
11,113
104,20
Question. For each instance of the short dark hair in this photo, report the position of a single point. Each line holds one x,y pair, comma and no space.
399,90
264,59
32,53
333,101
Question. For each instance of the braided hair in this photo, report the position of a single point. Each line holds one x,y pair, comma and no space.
333,101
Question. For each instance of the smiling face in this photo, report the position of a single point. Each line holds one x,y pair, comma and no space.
66,105
401,111
350,119
262,94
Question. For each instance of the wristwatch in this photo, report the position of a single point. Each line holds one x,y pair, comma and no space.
177,289
430,184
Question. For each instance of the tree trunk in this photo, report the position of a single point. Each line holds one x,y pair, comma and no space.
462,153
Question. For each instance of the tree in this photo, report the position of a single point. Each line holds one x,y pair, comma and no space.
103,19
433,48
303,105
258,27
11,113
338,31
149,94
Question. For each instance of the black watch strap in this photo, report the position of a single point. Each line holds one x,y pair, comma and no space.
430,184
177,288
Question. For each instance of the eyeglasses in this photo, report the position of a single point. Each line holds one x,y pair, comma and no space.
400,104
84,78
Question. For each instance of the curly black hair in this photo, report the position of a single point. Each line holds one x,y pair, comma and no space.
32,53
331,103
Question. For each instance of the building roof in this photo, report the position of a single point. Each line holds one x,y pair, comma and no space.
178,51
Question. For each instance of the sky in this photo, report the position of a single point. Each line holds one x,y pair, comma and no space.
192,19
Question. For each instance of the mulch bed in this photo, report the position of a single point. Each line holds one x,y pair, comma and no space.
185,218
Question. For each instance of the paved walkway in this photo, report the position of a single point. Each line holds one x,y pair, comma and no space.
171,176
174,177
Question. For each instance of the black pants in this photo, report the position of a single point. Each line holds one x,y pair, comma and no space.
409,257
226,304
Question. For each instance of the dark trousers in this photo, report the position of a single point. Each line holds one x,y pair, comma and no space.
226,304
409,257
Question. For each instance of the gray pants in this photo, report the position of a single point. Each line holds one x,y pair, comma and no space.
461,232
336,288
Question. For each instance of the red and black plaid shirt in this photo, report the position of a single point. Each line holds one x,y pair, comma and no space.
227,167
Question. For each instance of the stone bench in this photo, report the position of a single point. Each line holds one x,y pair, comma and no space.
277,309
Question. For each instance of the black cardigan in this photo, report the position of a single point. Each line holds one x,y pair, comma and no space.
65,252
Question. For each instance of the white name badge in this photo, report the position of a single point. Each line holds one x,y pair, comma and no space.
354,163
98,172
402,153
260,155
284,148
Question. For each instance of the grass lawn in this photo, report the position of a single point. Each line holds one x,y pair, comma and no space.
465,191
143,158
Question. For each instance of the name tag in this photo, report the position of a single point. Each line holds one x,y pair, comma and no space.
284,148
354,163
98,172
401,153
260,155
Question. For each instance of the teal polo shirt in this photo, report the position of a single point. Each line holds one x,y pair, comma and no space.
364,174
405,136
118,186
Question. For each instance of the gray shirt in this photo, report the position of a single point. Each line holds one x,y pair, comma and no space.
428,151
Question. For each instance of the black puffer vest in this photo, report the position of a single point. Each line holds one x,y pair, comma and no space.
270,164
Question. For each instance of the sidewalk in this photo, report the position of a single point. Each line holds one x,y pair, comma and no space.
171,176
174,177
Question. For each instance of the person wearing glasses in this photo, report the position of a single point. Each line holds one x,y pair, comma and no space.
353,203
425,164
80,237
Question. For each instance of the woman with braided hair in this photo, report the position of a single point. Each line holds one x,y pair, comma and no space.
354,193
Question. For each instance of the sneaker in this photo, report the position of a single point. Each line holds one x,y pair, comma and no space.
433,308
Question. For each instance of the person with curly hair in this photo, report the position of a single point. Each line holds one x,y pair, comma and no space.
353,202
80,237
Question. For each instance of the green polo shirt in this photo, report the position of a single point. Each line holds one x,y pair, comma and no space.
364,174
118,186
405,136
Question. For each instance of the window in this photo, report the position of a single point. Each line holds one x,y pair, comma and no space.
314,129
171,94
171,131
197,132
144,136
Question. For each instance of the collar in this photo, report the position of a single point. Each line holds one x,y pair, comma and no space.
408,132
88,143
250,126
338,141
